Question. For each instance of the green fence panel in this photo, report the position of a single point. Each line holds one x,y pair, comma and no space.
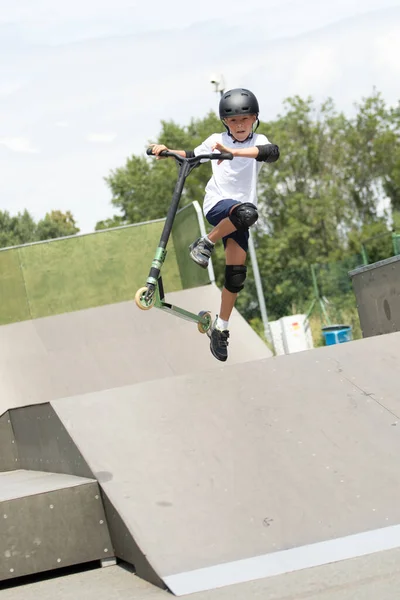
14,305
80,272
186,229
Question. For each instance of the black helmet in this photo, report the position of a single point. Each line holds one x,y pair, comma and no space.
238,102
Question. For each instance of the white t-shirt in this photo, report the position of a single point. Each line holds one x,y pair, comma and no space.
234,179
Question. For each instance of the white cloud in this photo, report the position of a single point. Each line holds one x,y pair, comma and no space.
318,68
101,138
18,144
7,88
388,49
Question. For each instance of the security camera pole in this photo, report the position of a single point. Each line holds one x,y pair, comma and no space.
219,85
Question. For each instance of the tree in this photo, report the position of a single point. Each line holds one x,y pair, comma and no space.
16,230
303,197
142,189
373,157
391,177
317,204
324,196
115,221
373,240
22,229
56,224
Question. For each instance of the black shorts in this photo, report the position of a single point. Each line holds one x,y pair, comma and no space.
220,211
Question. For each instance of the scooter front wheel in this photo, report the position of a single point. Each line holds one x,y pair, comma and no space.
142,299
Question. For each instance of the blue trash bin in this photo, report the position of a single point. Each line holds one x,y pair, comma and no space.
337,334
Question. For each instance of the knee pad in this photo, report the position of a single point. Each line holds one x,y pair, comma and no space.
235,276
243,216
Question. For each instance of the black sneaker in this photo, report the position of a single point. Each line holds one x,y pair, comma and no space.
219,343
200,252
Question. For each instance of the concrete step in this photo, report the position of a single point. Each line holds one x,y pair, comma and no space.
48,521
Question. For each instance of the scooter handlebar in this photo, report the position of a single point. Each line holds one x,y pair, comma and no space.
214,156
149,152
219,156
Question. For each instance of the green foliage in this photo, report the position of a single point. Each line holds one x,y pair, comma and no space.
142,189
16,230
115,221
374,240
321,203
55,225
22,229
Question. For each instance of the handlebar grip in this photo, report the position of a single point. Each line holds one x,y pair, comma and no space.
149,152
225,156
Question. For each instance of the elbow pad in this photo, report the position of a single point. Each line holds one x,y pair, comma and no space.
190,153
268,153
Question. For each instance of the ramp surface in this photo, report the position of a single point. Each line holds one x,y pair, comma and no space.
375,577
112,346
255,469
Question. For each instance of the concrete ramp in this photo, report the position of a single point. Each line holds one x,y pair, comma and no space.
112,346
48,521
35,444
8,447
256,469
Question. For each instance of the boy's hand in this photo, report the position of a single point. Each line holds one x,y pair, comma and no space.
156,149
221,148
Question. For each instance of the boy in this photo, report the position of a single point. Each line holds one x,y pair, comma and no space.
230,202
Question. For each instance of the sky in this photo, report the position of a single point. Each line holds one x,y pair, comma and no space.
85,84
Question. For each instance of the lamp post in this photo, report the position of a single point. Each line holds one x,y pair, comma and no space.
259,288
219,85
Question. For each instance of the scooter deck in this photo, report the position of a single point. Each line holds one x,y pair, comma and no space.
203,318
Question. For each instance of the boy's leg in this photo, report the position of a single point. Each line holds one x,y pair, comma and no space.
219,334
240,217
202,248
227,216
224,227
234,255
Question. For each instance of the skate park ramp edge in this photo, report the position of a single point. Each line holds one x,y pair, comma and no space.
35,443
260,468
111,346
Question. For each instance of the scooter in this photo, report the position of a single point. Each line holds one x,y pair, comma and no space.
152,294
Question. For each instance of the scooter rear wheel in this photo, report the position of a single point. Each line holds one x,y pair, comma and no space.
203,327
141,301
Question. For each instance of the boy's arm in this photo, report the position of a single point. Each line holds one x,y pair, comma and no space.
262,153
204,148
